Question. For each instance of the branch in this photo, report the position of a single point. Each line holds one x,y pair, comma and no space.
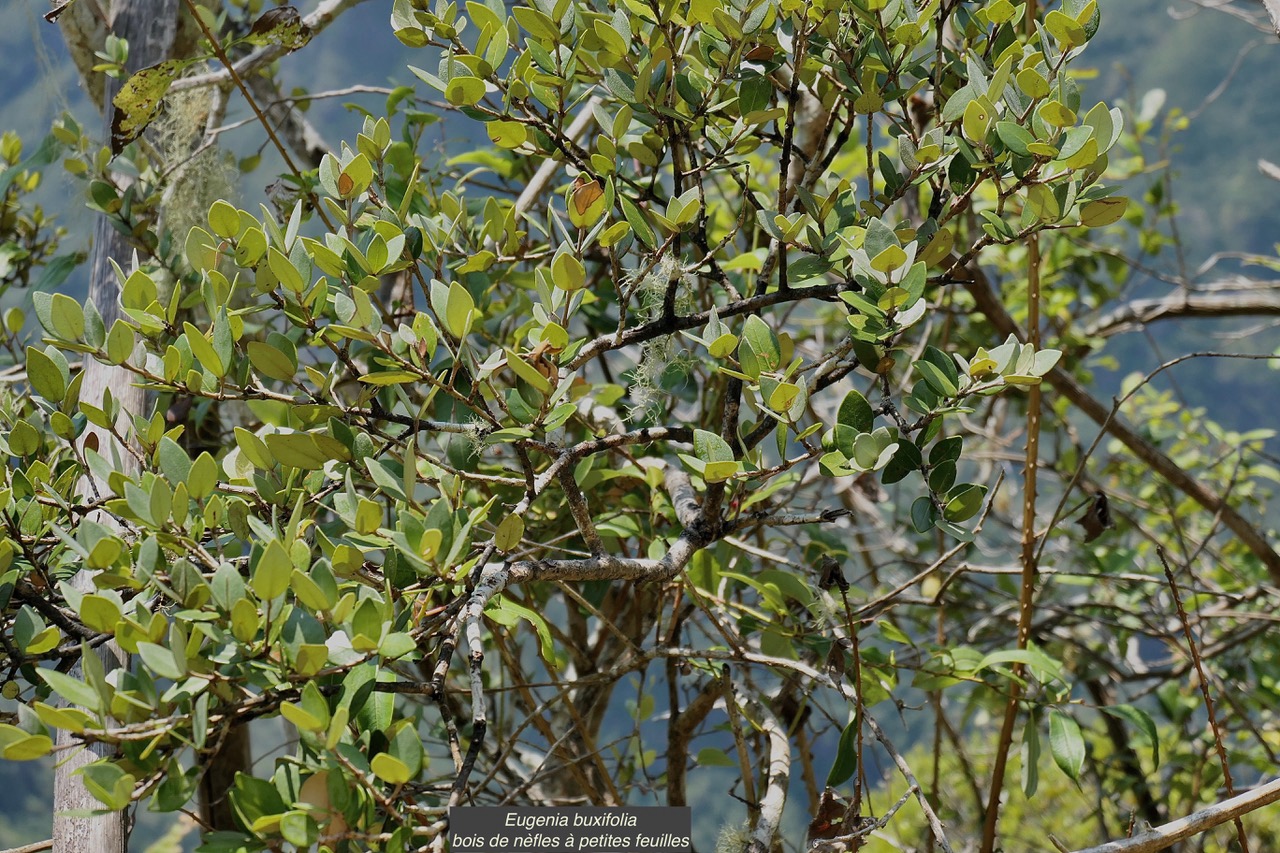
935,825
989,304
1273,11
776,781
680,731
533,190
318,20
671,325
1141,311
1165,836
496,577
31,848
298,133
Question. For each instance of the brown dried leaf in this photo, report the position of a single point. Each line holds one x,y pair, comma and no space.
837,658
584,193
830,575
1097,518
829,820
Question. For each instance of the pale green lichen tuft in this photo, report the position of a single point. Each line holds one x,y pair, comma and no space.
733,838
198,174
660,354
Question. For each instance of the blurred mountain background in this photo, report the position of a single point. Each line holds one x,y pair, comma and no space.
1190,61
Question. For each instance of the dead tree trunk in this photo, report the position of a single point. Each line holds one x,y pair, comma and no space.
150,26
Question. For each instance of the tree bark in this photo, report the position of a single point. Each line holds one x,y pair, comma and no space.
150,26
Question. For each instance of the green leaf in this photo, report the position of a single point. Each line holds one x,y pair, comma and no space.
846,763
856,412
119,342
536,23
723,346
73,690
45,377
763,351
99,613
1065,29
963,502
509,533
923,514
390,769
204,351
1139,719
173,460
45,641
67,317
936,378
284,270
464,91
567,271
782,396
20,745
711,757
68,719
977,120
272,362
905,460
1015,137
161,661
304,450
1066,744
271,575
635,218
203,477
507,134
527,372
1043,204
301,719
458,311
224,219
1030,757
1104,211
718,472
507,612
299,829
108,784
1032,83
710,447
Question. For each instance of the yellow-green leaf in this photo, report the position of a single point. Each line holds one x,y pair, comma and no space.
138,101
390,769
509,533
1104,211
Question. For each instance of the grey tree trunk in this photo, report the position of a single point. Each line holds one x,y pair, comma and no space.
150,26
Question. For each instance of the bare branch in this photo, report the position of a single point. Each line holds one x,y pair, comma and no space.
1139,312
1165,836
777,777
935,825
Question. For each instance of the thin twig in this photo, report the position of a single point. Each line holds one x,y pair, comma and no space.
1204,691
935,825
